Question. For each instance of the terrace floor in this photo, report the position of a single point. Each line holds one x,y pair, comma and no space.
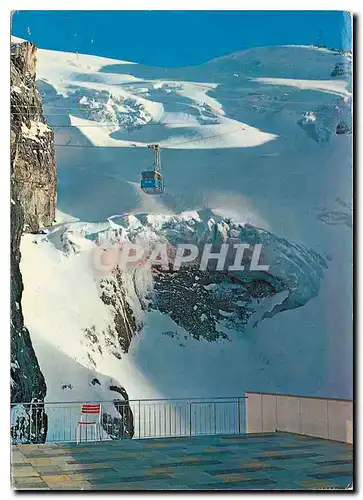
276,461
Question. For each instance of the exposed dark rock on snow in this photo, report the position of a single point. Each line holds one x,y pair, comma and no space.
118,428
320,124
113,295
33,198
341,68
200,301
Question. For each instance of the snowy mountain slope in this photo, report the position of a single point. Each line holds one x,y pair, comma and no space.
263,118
249,136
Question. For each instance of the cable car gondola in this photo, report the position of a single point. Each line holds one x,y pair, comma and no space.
151,180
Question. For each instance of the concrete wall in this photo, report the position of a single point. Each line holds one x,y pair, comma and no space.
320,417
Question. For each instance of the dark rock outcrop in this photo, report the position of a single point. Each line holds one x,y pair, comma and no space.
113,294
33,166
119,427
200,301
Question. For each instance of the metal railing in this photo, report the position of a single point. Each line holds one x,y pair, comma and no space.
139,419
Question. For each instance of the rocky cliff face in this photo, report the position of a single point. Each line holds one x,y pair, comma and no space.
33,199
33,173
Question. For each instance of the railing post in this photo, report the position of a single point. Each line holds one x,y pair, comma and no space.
169,419
30,422
139,419
190,418
164,419
239,414
215,417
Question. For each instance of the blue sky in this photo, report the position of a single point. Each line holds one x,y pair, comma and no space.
178,38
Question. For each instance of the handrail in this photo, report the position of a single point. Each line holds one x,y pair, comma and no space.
297,396
206,399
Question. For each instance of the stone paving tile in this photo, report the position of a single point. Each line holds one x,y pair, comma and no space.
283,476
88,466
56,478
134,466
76,450
21,466
251,436
71,486
25,472
333,474
322,484
161,473
292,447
124,454
61,451
346,468
301,471
334,462
41,461
150,450
188,476
240,484
29,483
285,456
167,487
344,456
17,458
286,486
239,477
128,479
30,479
193,463
29,487
128,446
92,473
77,484
125,486
339,482
71,473
47,469
54,462
236,445
96,455
217,452
178,439
247,470
119,464
122,461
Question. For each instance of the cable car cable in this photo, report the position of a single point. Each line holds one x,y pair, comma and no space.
163,147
